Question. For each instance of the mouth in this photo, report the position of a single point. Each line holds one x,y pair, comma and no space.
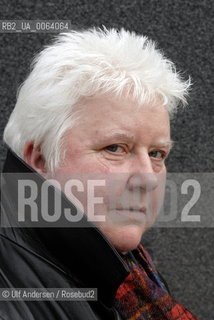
133,209
131,214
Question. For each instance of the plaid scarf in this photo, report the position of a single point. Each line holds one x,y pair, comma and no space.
143,295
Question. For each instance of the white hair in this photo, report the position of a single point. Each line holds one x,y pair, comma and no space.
83,64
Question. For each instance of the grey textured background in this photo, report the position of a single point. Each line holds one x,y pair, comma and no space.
183,29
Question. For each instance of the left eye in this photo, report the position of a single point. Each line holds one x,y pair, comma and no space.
157,154
115,148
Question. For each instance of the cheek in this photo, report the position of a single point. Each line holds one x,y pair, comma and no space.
85,163
85,183
108,187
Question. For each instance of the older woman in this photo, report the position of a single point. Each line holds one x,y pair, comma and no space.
92,119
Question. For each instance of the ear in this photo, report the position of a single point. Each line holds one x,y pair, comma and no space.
34,158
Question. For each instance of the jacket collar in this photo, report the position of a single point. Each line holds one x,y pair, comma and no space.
81,251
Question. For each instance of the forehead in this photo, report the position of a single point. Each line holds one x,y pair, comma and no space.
107,113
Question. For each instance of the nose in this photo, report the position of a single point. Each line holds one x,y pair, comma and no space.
142,176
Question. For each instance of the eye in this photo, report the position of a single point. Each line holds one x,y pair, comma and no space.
115,148
158,154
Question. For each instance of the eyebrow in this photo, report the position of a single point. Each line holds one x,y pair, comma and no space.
117,136
164,144
128,137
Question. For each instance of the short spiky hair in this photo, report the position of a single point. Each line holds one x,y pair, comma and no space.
82,64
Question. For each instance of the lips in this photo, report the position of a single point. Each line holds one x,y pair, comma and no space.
133,209
129,215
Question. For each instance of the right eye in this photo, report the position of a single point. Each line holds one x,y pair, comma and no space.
115,148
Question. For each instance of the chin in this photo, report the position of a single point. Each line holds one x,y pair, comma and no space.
124,238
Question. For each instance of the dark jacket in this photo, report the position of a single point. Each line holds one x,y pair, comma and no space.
57,257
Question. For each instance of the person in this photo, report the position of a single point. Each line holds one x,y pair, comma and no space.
90,133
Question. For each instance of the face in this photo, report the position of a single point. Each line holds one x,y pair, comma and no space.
125,146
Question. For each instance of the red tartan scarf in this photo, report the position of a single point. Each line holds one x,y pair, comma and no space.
143,295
